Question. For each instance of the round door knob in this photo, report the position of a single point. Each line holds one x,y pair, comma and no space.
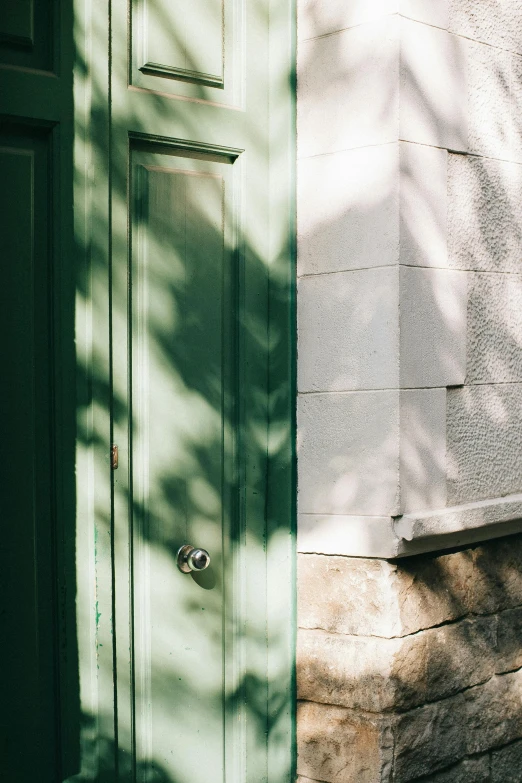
192,559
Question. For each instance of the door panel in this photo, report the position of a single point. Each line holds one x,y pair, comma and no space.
28,569
182,457
187,50
194,52
39,724
194,251
26,33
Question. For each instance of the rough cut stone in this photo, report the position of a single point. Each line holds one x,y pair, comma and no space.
377,674
350,671
375,597
437,735
469,771
509,640
506,764
346,595
339,746
496,581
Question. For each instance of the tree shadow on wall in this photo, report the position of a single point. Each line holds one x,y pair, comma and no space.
457,280
471,227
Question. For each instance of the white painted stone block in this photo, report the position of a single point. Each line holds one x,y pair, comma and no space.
423,205
348,330
322,17
432,327
495,22
489,101
484,433
433,87
341,534
494,328
432,12
516,105
484,215
348,89
422,449
348,453
513,22
348,210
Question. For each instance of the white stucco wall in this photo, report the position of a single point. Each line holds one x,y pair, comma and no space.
409,264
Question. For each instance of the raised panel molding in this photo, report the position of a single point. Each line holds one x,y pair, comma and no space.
192,51
156,69
28,569
185,44
183,148
26,34
181,327
16,22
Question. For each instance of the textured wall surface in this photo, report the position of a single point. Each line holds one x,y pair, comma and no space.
410,391
409,264
411,670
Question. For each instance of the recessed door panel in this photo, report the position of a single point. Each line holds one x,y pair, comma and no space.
26,33
191,50
16,21
27,567
182,435
184,42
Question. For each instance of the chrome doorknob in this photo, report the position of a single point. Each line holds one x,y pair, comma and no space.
192,559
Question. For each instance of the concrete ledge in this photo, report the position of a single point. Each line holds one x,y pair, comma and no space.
459,519
425,531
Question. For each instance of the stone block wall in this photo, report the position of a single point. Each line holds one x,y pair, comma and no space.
411,670
410,390
409,272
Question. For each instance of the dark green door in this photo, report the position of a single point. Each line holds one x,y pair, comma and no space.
39,698
178,122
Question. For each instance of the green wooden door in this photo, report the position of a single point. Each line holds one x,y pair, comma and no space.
193,239
146,157
39,712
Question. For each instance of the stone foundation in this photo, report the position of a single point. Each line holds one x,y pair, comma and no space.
411,670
